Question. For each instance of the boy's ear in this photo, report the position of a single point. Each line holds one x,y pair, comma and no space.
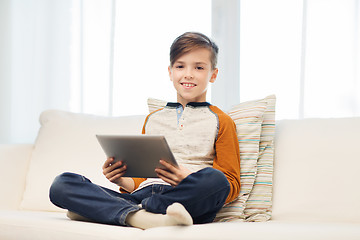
169,70
214,75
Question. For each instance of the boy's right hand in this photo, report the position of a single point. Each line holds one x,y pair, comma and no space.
114,171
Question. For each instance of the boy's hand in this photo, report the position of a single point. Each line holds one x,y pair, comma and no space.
114,171
172,174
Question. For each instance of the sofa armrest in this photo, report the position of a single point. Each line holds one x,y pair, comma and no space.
14,161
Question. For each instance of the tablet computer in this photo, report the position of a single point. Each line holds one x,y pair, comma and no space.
141,153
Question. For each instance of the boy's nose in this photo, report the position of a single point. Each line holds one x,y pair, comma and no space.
189,74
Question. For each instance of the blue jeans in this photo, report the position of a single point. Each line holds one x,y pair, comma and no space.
202,193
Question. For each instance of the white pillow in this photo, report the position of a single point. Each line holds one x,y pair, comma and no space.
67,142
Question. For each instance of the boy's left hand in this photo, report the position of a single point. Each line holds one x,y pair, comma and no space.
171,174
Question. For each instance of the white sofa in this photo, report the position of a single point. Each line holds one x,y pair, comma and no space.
315,192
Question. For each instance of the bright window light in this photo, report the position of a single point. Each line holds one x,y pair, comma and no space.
143,33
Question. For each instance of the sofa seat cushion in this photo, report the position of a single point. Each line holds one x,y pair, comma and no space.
54,225
270,230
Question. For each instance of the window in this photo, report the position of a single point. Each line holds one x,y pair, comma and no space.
107,57
306,52
123,51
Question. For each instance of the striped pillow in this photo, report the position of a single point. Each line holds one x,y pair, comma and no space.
248,118
155,104
255,130
254,201
259,204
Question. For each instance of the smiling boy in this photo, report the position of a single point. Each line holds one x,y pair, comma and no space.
191,75
203,140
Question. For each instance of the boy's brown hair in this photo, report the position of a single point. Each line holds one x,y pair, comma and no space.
190,41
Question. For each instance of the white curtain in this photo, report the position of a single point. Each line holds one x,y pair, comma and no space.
36,62
332,63
108,56
306,52
103,57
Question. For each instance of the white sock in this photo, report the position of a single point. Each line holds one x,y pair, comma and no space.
176,215
76,217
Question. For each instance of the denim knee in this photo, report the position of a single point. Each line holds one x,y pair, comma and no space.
212,177
62,186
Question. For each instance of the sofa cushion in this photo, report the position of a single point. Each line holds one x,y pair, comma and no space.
255,126
50,225
67,142
257,231
34,225
14,161
317,170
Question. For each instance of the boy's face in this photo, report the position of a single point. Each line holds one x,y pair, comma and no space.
191,75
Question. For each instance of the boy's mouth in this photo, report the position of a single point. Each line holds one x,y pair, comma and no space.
188,85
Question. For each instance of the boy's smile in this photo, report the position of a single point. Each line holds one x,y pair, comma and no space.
188,85
191,75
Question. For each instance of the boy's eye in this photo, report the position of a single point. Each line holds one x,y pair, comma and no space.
199,68
179,66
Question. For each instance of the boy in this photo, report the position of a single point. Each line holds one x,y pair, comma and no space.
203,140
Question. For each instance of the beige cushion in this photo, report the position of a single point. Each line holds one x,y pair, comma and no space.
258,231
255,124
67,142
49,225
35,225
317,170
14,160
